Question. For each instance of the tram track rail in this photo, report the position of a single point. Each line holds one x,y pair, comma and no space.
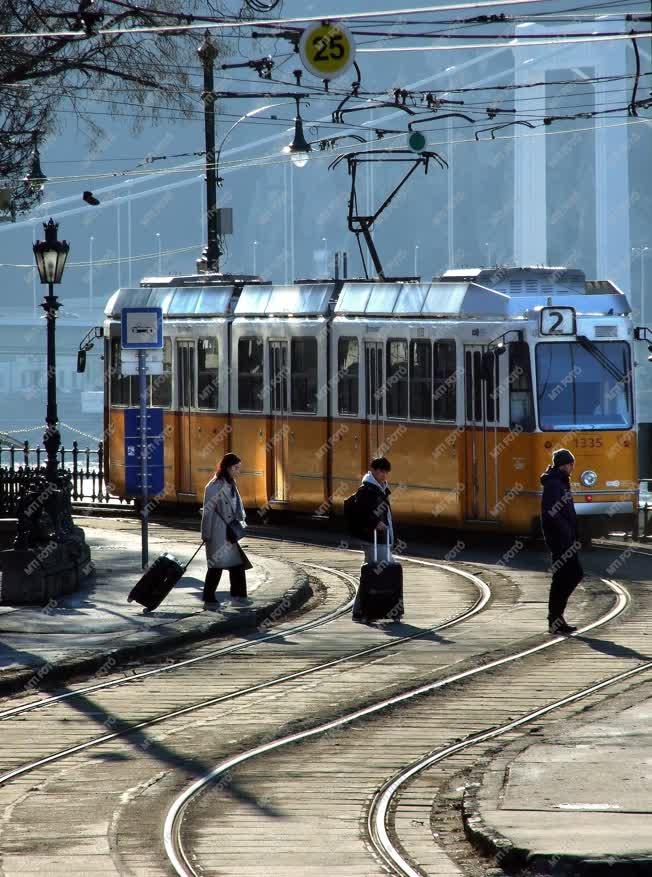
483,597
472,610
378,822
180,858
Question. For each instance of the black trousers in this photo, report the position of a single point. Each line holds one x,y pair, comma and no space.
567,573
238,579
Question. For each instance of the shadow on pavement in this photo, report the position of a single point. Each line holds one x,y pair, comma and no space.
402,629
606,647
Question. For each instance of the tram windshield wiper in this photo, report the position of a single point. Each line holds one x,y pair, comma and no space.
602,358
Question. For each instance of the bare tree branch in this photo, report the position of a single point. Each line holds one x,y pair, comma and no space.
38,75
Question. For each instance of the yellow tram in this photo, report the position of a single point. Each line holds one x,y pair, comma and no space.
467,384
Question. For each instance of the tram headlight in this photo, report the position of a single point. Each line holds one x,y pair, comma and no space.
589,478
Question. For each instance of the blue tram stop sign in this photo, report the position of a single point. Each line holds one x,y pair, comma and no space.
141,328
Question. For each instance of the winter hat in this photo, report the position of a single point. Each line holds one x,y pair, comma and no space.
561,457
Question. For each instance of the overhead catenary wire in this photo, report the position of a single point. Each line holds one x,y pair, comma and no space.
276,158
207,22
511,42
97,263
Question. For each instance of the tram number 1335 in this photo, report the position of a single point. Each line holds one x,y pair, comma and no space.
588,441
557,321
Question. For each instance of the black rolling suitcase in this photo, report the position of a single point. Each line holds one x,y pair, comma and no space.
380,594
158,580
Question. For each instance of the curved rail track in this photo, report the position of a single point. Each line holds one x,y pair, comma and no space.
172,832
285,630
327,658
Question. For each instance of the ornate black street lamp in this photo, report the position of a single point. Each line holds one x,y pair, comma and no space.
50,556
50,256
207,54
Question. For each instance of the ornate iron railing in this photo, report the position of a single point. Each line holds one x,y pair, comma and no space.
20,465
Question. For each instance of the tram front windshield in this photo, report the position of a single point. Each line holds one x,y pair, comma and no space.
584,385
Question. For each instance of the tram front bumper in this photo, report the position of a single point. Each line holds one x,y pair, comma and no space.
611,508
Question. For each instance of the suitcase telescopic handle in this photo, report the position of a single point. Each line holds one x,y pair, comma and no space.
201,545
376,545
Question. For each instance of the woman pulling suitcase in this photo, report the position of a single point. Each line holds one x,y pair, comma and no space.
222,525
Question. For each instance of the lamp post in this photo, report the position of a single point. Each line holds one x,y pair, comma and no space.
35,179
90,274
207,54
160,268
50,256
218,152
416,260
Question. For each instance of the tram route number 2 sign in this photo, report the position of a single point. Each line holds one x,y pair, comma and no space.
327,49
557,321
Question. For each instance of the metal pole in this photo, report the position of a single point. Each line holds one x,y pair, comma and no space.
292,270
34,273
207,53
643,286
90,276
129,234
142,392
255,248
160,269
416,260
286,224
119,247
52,439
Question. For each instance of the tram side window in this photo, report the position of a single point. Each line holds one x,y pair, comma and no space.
160,386
119,383
421,380
207,373
493,390
521,402
397,378
445,380
303,381
348,371
250,374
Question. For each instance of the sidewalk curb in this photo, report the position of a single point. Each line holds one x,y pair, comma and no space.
519,860
159,639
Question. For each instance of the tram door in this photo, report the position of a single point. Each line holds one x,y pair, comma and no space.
374,396
279,440
482,415
185,381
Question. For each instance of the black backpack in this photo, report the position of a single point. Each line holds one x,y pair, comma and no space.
351,515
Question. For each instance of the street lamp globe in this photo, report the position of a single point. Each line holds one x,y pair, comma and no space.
299,150
51,254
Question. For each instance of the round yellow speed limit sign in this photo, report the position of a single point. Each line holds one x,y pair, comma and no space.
327,49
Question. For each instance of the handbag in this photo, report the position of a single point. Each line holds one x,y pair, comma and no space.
234,529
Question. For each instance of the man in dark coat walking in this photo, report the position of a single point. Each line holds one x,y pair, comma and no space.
559,522
373,510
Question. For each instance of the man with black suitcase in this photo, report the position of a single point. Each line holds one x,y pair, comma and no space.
381,580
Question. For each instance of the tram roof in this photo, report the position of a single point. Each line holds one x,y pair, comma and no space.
498,293
306,299
421,300
196,301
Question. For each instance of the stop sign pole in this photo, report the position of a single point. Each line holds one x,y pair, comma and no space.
142,330
142,394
